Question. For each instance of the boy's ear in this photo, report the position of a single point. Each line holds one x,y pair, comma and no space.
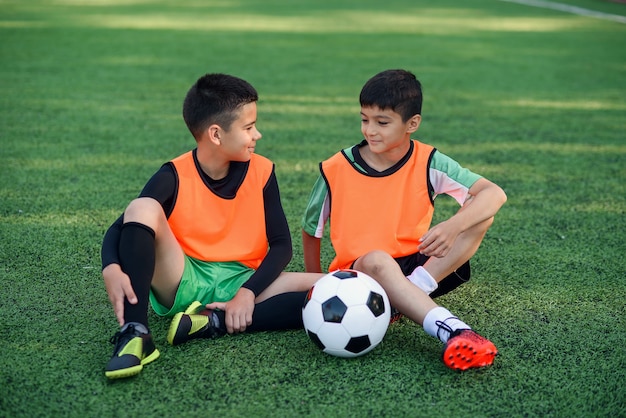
413,123
214,133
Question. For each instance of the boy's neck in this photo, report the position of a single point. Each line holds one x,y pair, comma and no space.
215,168
384,160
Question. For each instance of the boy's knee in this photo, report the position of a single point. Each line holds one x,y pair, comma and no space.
144,210
373,262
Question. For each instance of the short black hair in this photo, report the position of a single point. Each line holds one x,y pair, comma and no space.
216,99
398,90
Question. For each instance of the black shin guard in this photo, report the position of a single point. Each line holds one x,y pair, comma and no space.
137,258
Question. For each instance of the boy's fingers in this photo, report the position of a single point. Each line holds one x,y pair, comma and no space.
241,324
129,293
118,305
119,311
236,324
426,248
229,325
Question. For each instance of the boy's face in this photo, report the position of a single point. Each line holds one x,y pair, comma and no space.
385,131
240,140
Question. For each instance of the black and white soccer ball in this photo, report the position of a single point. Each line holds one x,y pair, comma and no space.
346,313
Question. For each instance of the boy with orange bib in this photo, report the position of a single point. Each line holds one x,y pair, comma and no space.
379,197
207,240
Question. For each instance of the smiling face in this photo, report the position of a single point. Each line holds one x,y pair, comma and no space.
239,141
385,132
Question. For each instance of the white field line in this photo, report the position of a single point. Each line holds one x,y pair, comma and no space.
570,9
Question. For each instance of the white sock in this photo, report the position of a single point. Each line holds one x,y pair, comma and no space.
422,279
440,323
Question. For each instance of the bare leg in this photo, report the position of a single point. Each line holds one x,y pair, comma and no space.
403,295
464,348
289,282
464,248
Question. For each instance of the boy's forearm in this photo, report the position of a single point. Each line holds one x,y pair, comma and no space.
110,243
486,201
311,248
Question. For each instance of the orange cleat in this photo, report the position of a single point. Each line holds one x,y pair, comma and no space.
466,349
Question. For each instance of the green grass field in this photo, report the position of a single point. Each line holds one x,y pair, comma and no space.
531,98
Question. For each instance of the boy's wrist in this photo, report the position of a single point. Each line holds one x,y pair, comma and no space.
111,266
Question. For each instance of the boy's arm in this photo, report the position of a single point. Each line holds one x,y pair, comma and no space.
487,199
315,216
311,247
239,310
484,201
278,237
110,243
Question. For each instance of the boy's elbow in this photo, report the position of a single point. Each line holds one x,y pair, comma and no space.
496,193
502,197
498,198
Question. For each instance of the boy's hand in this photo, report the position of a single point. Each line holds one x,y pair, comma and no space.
118,288
438,241
238,310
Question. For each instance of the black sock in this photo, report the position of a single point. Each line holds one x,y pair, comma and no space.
280,312
137,258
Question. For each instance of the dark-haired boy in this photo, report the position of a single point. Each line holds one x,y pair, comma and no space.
379,197
207,233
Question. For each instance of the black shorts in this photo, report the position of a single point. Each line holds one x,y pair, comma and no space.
457,278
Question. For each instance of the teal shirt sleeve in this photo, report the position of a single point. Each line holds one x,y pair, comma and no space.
316,212
448,177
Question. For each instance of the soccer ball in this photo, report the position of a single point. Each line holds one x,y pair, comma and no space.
346,313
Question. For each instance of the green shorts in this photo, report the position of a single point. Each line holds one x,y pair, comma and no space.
205,282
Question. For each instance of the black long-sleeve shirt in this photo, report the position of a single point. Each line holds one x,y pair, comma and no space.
163,186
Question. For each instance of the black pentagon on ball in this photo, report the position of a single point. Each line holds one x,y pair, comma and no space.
358,344
345,274
334,309
376,303
313,336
